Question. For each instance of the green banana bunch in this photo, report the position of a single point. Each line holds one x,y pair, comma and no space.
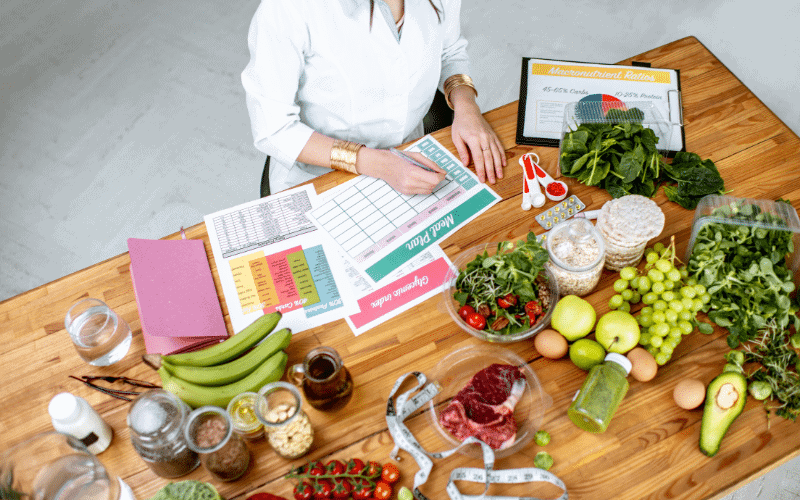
232,347
216,374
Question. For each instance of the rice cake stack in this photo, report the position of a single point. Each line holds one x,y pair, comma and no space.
627,224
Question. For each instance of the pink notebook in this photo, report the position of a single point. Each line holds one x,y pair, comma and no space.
178,305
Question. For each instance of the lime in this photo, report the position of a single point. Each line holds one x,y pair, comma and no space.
585,353
187,490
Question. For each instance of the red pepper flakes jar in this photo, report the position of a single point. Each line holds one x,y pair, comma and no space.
209,432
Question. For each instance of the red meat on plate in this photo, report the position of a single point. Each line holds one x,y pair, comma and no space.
484,408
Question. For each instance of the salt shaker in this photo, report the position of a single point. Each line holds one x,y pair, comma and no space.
157,419
74,415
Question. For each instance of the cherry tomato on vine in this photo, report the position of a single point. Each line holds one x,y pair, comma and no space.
303,491
476,321
355,466
342,487
390,473
383,490
373,469
362,490
465,311
335,467
323,489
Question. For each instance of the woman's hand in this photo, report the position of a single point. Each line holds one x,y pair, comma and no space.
403,176
475,138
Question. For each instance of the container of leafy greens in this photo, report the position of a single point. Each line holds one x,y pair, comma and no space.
620,146
744,251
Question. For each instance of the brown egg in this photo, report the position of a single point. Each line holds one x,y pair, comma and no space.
550,344
689,393
644,364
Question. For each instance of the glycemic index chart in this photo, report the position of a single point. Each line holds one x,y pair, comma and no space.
380,229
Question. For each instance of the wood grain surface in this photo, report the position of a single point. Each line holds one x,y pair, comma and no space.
650,451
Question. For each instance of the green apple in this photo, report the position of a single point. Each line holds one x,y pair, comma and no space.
585,353
617,331
573,317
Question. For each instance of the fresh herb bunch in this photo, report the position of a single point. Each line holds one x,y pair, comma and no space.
514,269
744,270
622,158
776,366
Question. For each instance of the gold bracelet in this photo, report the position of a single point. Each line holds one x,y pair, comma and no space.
457,81
344,155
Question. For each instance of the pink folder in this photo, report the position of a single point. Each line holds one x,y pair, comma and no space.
178,305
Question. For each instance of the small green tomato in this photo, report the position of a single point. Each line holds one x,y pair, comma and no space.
760,390
541,438
543,460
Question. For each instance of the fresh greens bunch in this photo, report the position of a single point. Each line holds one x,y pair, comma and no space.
744,270
514,269
623,159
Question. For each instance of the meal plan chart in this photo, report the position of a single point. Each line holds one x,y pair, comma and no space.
270,257
380,229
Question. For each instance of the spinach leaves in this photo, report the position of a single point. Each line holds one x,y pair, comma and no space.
745,271
623,159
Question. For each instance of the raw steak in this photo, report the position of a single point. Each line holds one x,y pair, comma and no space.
484,408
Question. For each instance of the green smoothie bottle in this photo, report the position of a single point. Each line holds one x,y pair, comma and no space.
601,394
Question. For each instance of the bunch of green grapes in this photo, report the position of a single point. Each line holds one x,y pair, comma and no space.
671,300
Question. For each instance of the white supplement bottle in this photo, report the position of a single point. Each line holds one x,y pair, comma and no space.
74,415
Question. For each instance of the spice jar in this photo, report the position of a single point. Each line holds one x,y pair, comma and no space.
602,392
209,432
156,420
288,428
577,254
242,410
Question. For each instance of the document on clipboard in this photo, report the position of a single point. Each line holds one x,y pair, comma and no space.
547,86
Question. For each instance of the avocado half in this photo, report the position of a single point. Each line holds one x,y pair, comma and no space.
725,398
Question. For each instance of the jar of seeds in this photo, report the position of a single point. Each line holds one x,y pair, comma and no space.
577,255
288,428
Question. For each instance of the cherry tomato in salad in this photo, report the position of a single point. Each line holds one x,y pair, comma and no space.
303,491
476,321
390,473
465,311
507,301
383,490
533,307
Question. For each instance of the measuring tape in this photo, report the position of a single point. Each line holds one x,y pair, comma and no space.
398,411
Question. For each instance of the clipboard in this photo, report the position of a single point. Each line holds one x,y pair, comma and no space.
547,86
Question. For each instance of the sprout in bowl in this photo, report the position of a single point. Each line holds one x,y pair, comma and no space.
501,292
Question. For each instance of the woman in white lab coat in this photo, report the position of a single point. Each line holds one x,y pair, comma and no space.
334,83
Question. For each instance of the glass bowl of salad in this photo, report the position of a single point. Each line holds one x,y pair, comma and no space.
501,292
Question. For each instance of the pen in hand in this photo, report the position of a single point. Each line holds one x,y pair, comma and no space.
411,160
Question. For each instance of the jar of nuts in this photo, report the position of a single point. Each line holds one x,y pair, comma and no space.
288,428
577,255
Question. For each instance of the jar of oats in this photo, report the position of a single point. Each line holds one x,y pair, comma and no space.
288,428
577,254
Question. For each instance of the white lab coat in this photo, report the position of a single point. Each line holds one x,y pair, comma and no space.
316,66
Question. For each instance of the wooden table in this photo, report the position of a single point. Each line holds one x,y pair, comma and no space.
651,448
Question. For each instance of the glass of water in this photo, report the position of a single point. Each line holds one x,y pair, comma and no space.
54,466
100,335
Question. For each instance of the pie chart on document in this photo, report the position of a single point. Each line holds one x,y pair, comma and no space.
604,102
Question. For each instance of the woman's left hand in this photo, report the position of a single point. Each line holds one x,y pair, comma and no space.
474,138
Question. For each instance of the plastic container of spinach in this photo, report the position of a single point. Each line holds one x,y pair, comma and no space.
763,216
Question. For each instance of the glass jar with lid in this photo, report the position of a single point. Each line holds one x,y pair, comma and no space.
242,410
156,420
577,255
288,428
209,432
